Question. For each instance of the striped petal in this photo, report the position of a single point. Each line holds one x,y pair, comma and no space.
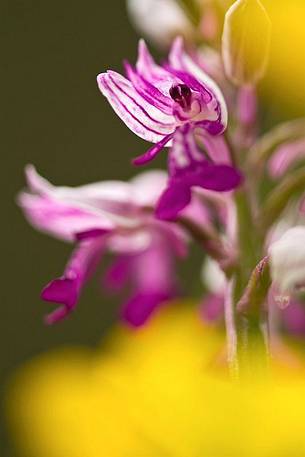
65,211
148,91
143,118
60,219
147,67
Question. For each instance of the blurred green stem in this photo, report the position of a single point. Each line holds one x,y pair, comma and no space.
249,291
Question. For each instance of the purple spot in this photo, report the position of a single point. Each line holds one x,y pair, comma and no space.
181,94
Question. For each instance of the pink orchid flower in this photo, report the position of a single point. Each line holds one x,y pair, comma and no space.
177,105
108,216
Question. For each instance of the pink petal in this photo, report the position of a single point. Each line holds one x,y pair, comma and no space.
215,145
57,218
147,67
147,187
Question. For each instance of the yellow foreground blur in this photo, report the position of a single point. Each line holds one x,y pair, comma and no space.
160,392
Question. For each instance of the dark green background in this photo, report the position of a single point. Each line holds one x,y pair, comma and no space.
52,115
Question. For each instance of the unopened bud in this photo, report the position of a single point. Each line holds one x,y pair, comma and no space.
213,277
287,258
246,41
159,20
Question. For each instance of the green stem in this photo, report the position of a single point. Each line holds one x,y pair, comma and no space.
252,347
249,323
212,244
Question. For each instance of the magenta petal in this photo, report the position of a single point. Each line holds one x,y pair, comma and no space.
64,291
176,197
152,152
220,178
67,289
58,315
212,127
140,307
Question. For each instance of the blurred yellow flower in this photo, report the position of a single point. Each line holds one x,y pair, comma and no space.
286,72
161,391
283,84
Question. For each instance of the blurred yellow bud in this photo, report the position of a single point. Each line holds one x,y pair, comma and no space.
246,41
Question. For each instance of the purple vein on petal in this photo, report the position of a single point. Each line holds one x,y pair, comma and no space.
119,88
149,92
125,111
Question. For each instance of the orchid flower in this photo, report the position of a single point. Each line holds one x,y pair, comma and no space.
174,105
108,216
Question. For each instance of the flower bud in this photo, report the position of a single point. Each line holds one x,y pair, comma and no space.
213,277
159,20
245,42
287,259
